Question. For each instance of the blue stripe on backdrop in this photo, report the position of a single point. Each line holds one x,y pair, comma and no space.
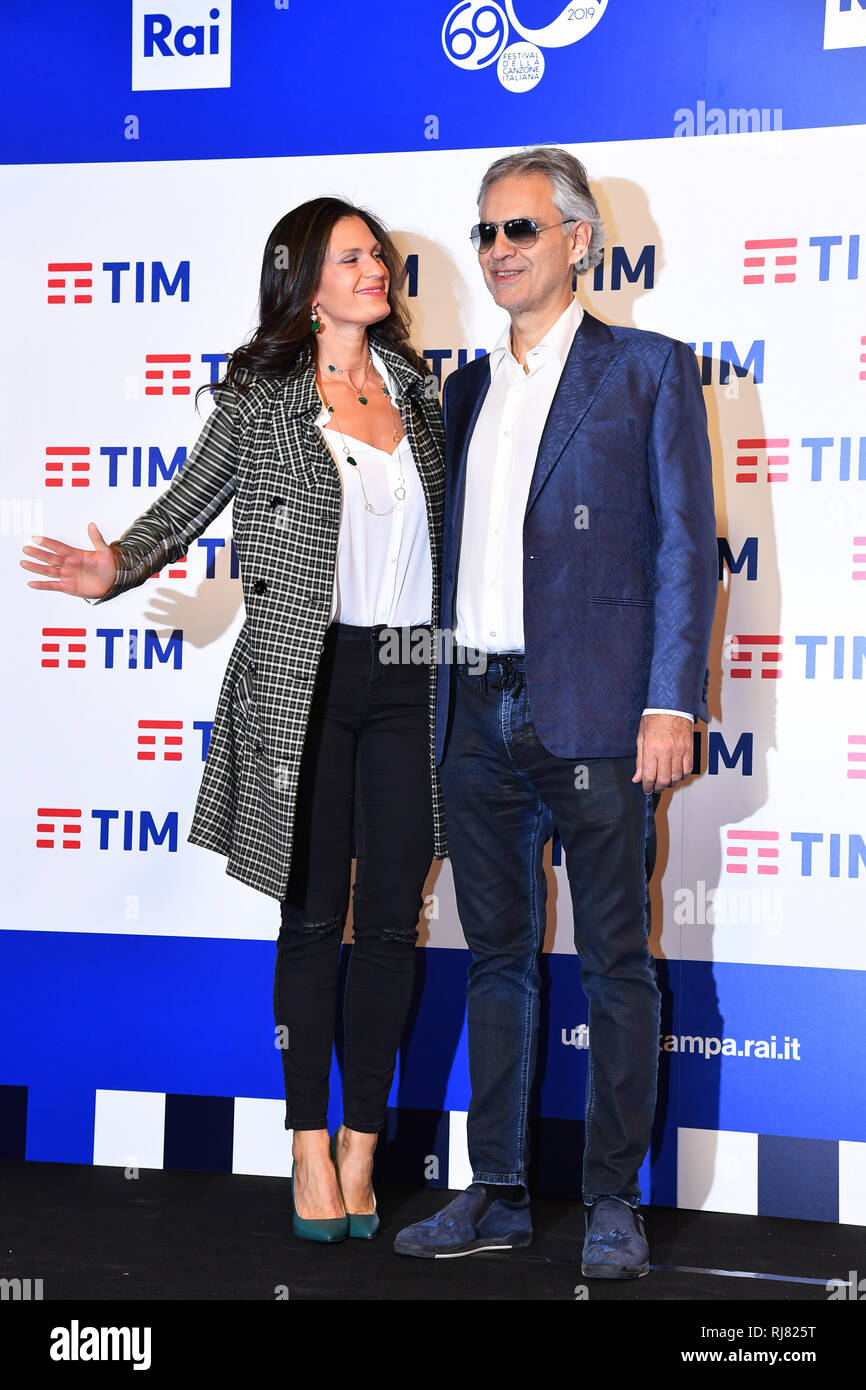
13,1121
199,1133
191,1017
68,93
798,1177
416,1148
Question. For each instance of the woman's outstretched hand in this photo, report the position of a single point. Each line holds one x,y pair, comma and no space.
68,570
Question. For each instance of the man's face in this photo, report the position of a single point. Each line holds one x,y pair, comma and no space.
526,280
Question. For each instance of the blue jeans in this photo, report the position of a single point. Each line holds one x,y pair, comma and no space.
504,794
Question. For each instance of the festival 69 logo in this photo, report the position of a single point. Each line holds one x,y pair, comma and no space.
476,32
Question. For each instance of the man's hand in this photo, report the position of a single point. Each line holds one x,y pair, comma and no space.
664,751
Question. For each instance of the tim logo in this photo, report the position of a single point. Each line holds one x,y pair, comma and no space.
759,455
65,648
770,260
160,740
845,23
60,827
857,756
754,654
773,260
167,373
183,44
71,282
752,850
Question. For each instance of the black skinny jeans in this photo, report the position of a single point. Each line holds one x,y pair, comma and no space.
365,767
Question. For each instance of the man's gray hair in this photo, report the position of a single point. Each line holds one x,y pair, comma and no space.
571,194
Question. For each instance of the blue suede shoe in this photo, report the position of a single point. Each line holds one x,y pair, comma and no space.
466,1225
615,1246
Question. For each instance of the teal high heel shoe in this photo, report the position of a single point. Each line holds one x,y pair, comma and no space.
361,1227
324,1229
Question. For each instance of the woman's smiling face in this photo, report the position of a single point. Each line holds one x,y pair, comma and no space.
353,287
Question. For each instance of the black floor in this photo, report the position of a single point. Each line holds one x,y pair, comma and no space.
89,1233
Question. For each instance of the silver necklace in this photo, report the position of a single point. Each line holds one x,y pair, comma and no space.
343,371
400,490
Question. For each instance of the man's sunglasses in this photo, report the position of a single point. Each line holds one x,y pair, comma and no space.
520,231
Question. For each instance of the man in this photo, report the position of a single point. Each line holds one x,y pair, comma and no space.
580,555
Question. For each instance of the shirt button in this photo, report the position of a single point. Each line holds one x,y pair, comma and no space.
496,533
493,632
507,433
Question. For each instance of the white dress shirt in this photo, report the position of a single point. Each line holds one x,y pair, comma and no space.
384,571
499,469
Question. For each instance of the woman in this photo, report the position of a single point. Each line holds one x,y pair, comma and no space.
328,435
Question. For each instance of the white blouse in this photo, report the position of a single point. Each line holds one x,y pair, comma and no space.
384,572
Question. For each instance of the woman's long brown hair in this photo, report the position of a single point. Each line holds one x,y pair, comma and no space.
291,269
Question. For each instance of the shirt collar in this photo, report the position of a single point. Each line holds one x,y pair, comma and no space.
556,342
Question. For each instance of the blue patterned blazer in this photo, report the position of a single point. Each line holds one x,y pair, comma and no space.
617,608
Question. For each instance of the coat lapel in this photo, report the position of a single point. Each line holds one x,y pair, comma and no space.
474,385
591,356
422,417
303,453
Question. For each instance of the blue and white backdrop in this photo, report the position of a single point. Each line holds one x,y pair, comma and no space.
148,150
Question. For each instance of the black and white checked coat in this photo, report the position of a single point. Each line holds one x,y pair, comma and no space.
261,448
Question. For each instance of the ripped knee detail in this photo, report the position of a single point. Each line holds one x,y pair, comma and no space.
407,936
298,926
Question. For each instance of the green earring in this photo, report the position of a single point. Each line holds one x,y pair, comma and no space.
315,321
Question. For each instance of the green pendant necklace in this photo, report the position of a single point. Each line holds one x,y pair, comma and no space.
400,490
341,371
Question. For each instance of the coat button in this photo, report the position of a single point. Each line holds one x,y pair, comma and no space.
252,665
259,745
259,587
